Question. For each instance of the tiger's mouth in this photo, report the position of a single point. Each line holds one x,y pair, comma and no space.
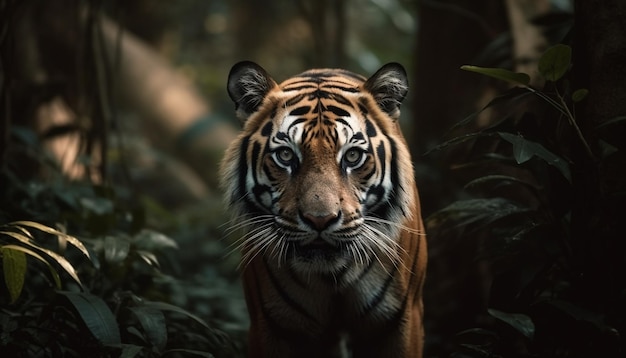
319,249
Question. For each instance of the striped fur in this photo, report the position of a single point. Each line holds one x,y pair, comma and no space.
321,179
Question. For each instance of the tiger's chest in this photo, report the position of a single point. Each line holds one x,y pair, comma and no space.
335,308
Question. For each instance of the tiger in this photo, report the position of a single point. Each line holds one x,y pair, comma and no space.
333,248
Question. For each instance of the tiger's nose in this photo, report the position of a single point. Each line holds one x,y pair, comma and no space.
319,222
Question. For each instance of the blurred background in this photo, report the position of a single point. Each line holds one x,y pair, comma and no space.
115,116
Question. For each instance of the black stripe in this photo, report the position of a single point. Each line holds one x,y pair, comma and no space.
332,73
396,184
341,99
366,177
370,129
285,296
243,170
344,122
256,150
267,129
296,122
380,295
396,319
338,111
318,94
274,326
268,172
300,111
290,102
382,154
350,89
367,269
290,88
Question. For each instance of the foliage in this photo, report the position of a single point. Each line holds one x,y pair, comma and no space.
87,270
103,291
98,296
554,292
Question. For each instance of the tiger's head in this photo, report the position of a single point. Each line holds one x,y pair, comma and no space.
320,177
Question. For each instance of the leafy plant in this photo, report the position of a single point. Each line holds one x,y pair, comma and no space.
525,215
17,242
104,296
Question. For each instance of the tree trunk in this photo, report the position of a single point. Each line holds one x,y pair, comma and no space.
598,217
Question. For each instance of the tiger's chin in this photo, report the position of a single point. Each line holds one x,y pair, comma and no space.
320,257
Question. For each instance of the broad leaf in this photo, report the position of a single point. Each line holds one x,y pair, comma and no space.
71,239
555,62
477,211
153,240
580,94
521,322
610,122
169,307
130,350
500,73
97,317
14,267
67,266
149,257
53,272
582,314
152,321
498,178
524,150
456,140
116,249
190,351
606,149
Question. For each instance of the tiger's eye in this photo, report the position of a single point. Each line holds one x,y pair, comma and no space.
352,156
285,155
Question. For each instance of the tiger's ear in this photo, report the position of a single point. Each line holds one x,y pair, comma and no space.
248,83
389,85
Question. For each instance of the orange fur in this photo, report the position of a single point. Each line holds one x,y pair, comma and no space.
335,254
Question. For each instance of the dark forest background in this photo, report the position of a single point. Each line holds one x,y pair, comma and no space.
114,116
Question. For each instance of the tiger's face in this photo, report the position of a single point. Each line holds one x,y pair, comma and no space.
320,175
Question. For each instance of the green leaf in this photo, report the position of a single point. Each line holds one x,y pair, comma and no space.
152,240
71,239
53,272
476,211
14,267
610,122
500,73
606,149
149,258
457,140
116,249
169,307
152,321
66,265
521,322
582,314
62,261
524,150
130,350
555,62
498,178
189,351
580,94
97,316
